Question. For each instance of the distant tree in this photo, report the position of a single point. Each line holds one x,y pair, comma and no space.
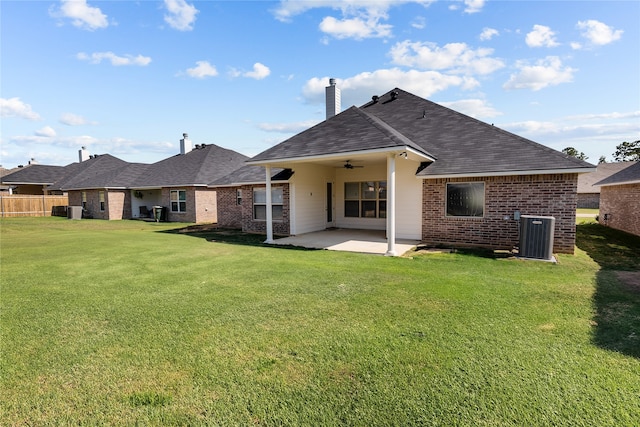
627,151
570,151
602,159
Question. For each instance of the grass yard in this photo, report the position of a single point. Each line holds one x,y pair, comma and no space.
134,323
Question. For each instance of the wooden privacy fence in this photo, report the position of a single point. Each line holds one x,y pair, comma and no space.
24,205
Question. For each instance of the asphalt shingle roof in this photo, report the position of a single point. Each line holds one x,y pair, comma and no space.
198,167
629,174
587,182
251,174
98,172
460,144
34,174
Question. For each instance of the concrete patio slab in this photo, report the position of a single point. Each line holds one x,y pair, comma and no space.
362,241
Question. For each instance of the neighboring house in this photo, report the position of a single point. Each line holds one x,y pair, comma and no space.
417,170
101,186
588,192
620,200
180,183
33,179
110,188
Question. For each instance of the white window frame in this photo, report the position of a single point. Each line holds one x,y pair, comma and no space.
180,204
260,204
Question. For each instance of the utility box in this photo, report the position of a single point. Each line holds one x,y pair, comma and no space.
74,212
536,237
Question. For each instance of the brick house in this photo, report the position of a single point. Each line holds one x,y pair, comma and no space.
110,188
417,170
180,183
620,200
589,191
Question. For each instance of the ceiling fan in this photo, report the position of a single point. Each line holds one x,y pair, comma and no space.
348,165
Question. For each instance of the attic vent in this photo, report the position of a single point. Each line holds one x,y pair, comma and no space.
197,146
203,145
375,98
394,95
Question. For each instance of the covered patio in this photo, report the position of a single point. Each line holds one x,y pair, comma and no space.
348,240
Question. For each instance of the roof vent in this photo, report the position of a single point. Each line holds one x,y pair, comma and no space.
197,146
375,98
394,95
203,145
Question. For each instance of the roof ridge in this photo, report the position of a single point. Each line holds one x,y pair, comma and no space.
390,131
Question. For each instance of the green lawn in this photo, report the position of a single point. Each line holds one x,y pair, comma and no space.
127,323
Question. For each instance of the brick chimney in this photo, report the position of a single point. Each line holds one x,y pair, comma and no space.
185,144
332,94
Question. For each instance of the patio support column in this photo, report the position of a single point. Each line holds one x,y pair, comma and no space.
391,205
269,208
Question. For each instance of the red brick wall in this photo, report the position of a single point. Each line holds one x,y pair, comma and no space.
117,203
206,206
229,212
620,205
251,226
544,195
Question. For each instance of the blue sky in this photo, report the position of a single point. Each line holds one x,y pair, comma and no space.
129,77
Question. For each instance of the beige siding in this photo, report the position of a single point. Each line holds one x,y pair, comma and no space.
308,190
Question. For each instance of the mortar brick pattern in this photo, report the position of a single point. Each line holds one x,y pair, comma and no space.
543,195
230,214
621,205
252,226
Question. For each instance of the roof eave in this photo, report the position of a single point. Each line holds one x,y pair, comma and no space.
508,173
240,184
342,155
633,181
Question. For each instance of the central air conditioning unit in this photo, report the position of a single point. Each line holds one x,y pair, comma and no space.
536,237
74,212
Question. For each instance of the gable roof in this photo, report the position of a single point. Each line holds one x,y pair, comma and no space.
587,183
97,172
628,175
459,145
34,174
199,167
251,175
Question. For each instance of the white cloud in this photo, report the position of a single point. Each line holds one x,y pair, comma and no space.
541,36
455,57
13,107
477,108
81,14
97,57
359,19
355,28
292,128
71,119
598,33
181,16
473,6
488,33
594,134
361,87
47,132
260,71
546,72
202,70
419,22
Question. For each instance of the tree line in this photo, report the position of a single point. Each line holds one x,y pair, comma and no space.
625,152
